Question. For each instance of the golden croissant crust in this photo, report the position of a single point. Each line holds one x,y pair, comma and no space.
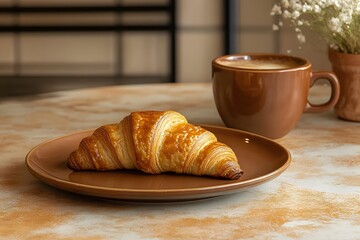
155,142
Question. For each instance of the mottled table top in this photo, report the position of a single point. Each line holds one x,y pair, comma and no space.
317,197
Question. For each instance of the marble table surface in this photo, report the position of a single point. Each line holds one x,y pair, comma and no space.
317,197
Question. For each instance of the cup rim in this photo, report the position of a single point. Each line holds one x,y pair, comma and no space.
306,64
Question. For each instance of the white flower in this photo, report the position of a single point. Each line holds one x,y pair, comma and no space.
317,9
334,3
334,46
335,25
295,14
307,23
307,8
285,3
298,7
337,21
345,17
287,14
321,3
301,37
275,27
276,10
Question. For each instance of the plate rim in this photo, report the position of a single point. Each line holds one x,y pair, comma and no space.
228,186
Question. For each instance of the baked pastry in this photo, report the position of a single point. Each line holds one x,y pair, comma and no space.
156,142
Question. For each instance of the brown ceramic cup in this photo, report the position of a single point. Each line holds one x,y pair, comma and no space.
266,93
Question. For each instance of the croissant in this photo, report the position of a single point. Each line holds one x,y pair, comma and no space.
156,142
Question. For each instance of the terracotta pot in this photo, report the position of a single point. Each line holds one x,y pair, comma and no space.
347,69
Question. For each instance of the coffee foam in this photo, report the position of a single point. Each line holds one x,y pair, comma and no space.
265,64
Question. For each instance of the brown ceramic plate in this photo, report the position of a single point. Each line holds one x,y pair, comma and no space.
261,160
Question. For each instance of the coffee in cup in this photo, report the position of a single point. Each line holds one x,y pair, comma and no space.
266,93
260,64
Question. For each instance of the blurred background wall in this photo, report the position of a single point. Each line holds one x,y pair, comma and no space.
43,61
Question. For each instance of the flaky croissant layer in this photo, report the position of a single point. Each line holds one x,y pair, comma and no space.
156,142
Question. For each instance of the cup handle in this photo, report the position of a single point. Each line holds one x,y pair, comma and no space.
335,91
